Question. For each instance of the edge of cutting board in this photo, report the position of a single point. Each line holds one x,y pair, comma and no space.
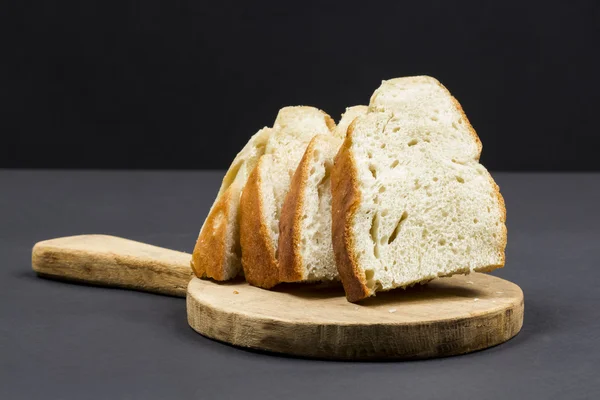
448,316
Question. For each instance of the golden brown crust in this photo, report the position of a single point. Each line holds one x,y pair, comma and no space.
289,257
345,200
258,254
210,252
504,236
329,121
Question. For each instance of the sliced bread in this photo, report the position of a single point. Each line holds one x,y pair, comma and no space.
267,186
217,253
305,249
410,200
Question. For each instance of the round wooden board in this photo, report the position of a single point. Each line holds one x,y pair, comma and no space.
448,316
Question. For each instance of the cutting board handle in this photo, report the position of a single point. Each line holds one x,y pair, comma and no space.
113,261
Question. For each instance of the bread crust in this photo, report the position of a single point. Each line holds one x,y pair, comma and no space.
346,196
209,252
289,257
258,256
504,234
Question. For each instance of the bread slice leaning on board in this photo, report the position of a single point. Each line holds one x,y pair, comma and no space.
410,200
305,251
267,186
217,253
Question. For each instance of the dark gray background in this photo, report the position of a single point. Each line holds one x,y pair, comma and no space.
183,84
68,341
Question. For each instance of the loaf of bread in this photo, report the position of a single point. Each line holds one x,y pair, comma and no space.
305,247
410,200
217,253
263,196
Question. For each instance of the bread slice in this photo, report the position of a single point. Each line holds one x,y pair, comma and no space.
305,249
217,253
410,200
267,186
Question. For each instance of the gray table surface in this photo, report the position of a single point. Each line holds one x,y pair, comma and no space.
69,341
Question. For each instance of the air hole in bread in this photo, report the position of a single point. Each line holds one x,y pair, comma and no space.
417,184
457,162
413,142
475,220
312,171
489,209
395,164
369,154
436,111
461,237
427,140
434,118
460,121
374,232
460,179
424,234
444,214
493,235
435,178
382,145
382,189
396,129
384,213
454,219
373,171
454,125
316,153
394,234
442,242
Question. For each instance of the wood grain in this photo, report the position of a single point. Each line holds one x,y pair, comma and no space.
446,317
112,261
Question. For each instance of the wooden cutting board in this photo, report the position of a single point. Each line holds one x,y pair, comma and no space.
448,316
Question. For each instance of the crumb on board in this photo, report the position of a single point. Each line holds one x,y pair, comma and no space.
236,292
475,299
499,292
392,310
470,282
357,307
